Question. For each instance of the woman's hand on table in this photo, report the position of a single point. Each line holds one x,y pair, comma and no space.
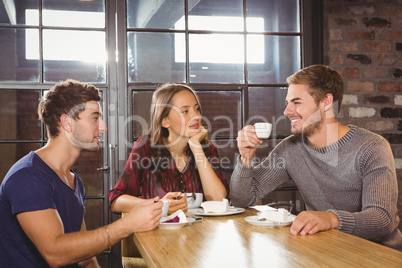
176,202
311,222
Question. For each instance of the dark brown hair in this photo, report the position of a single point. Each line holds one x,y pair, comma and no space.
67,97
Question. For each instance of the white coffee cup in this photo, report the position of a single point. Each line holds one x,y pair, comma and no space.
165,207
263,130
194,203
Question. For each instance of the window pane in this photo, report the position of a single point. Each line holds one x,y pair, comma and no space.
141,107
86,168
74,13
15,65
279,58
93,213
151,57
19,115
79,55
277,15
264,149
155,14
14,12
267,104
11,153
221,112
216,58
228,151
222,15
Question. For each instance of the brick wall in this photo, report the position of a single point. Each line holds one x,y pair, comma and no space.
363,42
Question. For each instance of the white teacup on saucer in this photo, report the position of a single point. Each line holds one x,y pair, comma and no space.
194,200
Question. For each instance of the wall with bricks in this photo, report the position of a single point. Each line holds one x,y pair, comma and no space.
363,42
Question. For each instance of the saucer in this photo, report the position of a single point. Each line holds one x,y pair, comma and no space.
267,223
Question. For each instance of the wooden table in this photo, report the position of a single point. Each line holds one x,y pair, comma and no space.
230,241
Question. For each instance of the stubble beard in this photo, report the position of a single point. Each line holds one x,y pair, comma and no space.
79,142
309,129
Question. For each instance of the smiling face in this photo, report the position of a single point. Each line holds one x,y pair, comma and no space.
86,131
184,117
305,115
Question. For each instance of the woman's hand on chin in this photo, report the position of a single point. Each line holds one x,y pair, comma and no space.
198,137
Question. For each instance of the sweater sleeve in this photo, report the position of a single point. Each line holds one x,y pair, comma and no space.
377,219
250,183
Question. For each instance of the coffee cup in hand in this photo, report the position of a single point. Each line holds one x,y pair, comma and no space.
263,130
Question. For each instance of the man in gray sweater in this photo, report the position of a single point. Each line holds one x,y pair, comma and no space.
345,174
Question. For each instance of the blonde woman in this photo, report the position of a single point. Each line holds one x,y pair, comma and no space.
174,157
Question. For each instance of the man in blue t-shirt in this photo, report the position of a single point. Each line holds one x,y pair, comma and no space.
42,202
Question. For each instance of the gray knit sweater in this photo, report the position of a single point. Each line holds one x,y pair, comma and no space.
354,178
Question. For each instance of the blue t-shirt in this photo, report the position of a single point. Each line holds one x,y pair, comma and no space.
31,185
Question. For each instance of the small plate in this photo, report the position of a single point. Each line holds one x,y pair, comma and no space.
254,221
175,225
200,212
259,213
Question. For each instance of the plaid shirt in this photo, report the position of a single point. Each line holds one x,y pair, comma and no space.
138,178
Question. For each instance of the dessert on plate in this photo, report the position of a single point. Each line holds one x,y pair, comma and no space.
177,217
279,215
215,206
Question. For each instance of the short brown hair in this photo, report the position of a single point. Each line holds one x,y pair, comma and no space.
67,97
321,80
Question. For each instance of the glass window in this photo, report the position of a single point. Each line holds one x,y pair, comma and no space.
60,54
212,15
86,168
280,58
19,115
72,54
11,153
93,213
13,12
221,112
277,15
151,57
217,36
15,63
89,14
141,112
155,14
216,58
227,150
267,104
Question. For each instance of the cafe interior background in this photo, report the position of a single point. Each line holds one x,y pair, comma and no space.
235,53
